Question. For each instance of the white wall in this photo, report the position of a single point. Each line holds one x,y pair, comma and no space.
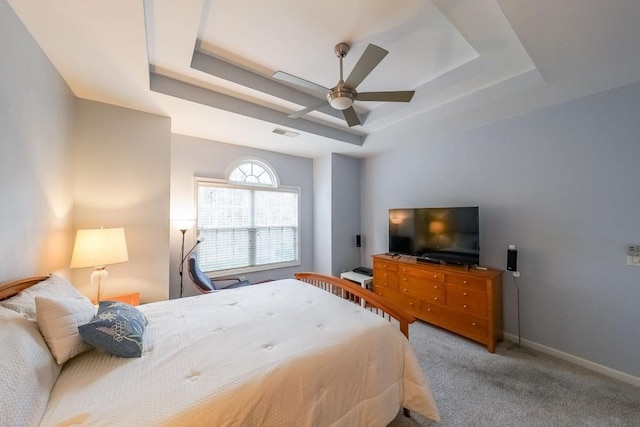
121,171
198,157
36,124
322,242
562,185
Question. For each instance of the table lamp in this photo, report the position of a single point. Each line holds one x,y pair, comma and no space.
98,248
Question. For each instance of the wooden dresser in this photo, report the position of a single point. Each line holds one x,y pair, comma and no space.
465,301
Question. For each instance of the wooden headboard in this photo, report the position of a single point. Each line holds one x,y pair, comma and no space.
9,289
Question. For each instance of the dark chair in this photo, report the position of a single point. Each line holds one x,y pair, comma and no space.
204,282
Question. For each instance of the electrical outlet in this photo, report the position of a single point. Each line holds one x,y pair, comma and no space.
516,274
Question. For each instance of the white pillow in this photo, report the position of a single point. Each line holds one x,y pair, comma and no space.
54,286
27,369
58,320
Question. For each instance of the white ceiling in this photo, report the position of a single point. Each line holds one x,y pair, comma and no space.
208,64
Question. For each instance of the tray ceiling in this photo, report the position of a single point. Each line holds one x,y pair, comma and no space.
208,65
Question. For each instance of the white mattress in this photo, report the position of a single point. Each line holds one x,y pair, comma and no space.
274,354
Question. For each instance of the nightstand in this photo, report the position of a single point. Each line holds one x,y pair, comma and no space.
361,279
131,299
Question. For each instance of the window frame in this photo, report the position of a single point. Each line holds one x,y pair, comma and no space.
261,163
253,187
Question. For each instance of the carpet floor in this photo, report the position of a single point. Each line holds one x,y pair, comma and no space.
514,387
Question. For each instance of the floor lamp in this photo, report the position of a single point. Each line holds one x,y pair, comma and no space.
183,225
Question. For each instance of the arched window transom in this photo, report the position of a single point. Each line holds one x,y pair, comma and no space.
252,172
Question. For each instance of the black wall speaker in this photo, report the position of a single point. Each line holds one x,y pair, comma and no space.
512,259
358,241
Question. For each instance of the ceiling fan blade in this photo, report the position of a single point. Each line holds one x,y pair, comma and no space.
351,117
397,96
368,61
309,109
289,78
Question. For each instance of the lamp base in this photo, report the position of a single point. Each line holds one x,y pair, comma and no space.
99,279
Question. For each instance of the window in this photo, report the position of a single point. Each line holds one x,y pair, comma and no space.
252,172
247,223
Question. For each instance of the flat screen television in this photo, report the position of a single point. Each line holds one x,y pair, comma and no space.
450,235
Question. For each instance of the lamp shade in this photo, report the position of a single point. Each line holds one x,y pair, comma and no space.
183,224
99,247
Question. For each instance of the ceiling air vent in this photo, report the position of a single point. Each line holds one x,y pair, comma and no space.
285,132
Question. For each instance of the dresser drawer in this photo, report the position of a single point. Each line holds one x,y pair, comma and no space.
422,289
471,326
386,279
433,313
422,274
467,281
384,265
387,293
465,324
407,303
467,300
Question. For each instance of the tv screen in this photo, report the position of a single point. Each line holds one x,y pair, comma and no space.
451,235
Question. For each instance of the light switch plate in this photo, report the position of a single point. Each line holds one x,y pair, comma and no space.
633,255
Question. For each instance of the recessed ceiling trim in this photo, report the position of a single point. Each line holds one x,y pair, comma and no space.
189,92
225,70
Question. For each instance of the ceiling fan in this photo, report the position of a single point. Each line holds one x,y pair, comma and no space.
342,96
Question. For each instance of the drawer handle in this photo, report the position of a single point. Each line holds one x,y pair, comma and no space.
435,298
435,286
380,293
428,309
404,278
404,269
405,289
465,306
473,323
464,294
411,304
464,281
435,276
385,274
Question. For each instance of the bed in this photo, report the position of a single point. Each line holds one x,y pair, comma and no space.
310,351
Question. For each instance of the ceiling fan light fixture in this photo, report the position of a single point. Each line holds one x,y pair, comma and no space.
340,99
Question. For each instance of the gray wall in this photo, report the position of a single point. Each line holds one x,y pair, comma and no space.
336,181
562,185
345,212
36,124
198,157
121,173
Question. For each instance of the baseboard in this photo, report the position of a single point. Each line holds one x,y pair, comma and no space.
630,379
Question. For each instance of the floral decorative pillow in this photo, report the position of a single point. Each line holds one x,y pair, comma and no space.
117,328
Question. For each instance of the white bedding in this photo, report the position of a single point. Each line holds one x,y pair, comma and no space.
275,354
